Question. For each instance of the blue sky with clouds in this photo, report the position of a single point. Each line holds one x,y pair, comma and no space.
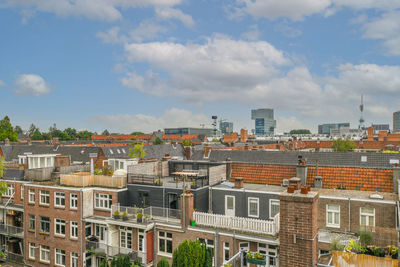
130,65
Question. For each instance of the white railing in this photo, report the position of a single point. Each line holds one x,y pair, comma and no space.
153,213
270,227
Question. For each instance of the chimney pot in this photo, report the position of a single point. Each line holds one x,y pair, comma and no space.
304,190
295,183
238,182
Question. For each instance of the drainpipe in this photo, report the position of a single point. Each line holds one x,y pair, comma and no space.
155,244
349,215
83,233
216,253
210,199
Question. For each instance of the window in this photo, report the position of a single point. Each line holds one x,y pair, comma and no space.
32,222
103,201
88,229
44,197
144,198
165,242
270,251
141,240
333,215
230,205
73,201
273,208
31,198
253,207
74,230
367,217
59,227
60,257
126,237
74,259
209,243
10,190
22,192
32,250
100,232
44,253
59,199
226,251
44,224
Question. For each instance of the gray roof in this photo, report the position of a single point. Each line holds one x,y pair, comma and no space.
152,151
335,159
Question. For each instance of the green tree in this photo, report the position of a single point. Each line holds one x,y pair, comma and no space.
137,133
7,131
1,166
71,132
208,258
163,262
158,141
85,135
341,145
138,151
189,254
187,142
18,129
32,129
3,185
215,140
300,131
105,132
37,135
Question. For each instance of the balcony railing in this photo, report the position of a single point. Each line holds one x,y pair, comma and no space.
12,230
269,227
149,213
17,258
111,251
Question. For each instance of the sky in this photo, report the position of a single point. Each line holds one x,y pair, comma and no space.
143,65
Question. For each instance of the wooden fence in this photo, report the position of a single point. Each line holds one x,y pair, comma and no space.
348,259
92,180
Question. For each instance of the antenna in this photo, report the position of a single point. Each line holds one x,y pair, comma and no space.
361,125
214,117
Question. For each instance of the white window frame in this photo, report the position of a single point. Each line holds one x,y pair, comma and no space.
32,251
367,217
22,192
250,200
103,201
58,197
334,212
59,224
73,201
125,232
31,196
73,230
226,248
74,259
141,237
45,249
59,254
165,239
10,190
47,221
31,217
273,202
45,194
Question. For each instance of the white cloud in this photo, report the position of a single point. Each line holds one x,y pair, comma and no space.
167,13
108,10
147,30
285,124
253,34
127,123
112,36
287,30
2,84
31,85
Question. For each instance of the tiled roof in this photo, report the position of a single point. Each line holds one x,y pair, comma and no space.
263,173
121,136
171,137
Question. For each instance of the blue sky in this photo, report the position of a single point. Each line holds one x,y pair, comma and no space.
130,65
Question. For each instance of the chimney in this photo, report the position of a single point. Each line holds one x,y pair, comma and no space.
301,170
295,183
207,150
29,142
188,152
243,136
238,182
187,208
228,169
166,157
7,142
246,146
318,181
396,177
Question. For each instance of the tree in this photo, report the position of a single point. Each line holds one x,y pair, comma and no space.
163,262
3,185
18,129
71,132
215,140
7,131
32,129
187,142
37,135
138,151
189,254
158,141
137,133
105,132
208,258
300,131
341,145
85,135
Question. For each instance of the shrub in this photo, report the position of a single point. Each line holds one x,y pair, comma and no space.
336,244
163,262
365,237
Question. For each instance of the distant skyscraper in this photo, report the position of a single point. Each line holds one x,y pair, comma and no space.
326,128
226,127
396,121
264,121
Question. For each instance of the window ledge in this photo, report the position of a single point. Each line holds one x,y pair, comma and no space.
31,203
333,226
59,207
44,262
164,255
44,205
31,230
44,233
59,235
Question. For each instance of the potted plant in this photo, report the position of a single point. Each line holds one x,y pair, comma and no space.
2,256
227,265
116,214
256,258
159,181
192,222
139,217
124,216
146,217
193,185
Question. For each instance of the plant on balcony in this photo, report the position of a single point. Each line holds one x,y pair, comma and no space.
256,258
124,216
139,217
193,185
192,222
2,255
336,244
159,181
163,262
116,214
227,265
389,251
365,237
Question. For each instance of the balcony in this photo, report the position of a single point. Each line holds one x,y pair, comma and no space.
85,179
150,214
12,230
267,227
17,258
105,250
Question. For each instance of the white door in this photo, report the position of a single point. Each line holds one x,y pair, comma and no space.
230,206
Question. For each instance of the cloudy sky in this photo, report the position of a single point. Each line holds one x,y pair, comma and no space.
144,65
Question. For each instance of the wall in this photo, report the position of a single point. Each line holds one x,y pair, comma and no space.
149,168
74,168
217,174
41,174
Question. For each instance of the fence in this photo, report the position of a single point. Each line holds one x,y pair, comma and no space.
270,227
154,213
110,251
15,257
12,230
92,180
348,259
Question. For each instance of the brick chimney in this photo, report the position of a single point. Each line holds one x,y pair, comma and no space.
243,135
228,169
238,182
188,152
298,232
166,157
301,170
370,133
295,182
396,177
187,208
246,146
207,150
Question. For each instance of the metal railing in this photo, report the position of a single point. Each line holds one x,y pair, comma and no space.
149,213
144,179
12,230
111,251
270,227
18,258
